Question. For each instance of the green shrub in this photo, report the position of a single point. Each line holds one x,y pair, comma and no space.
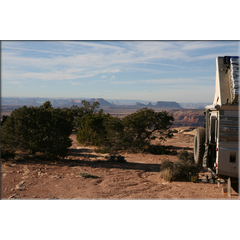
182,169
38,129
101,130
141,127
133,133
4,118
78,112
92,130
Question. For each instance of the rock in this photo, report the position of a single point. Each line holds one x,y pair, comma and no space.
40,174
55,176
20,186
27,171
25,177
4,174
14,196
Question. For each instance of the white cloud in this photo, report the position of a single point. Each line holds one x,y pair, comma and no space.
103,76
113,77
169,81
36,50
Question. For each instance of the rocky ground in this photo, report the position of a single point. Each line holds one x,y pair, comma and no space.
90,175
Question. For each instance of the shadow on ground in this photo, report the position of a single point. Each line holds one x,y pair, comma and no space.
84,155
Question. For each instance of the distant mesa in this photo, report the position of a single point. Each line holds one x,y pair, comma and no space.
162,104
103,103
150,105
33,102
138,104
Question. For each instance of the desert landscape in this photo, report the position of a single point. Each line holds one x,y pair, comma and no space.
90,175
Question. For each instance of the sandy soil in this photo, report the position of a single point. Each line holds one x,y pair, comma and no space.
138,178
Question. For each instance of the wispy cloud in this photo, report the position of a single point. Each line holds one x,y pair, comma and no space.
168,81
112,64
36,50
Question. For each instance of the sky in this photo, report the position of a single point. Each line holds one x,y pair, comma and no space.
181,71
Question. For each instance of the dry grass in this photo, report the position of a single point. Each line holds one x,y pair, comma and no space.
167,174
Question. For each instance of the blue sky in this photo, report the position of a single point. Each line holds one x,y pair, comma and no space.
181,71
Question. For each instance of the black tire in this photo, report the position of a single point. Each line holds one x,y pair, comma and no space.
234,186
199,147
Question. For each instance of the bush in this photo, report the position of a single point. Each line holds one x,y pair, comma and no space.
185,156
166,165
78,112
133,133
3,120
38,129
92,130
140,128
184,168
167,174
101,130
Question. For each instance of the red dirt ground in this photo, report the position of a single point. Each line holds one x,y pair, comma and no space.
137,178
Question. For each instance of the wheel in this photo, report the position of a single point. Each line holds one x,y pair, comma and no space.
234,186
199,147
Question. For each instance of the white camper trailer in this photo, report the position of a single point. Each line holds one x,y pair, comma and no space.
216,145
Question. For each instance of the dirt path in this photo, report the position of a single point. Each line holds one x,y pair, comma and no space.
138,178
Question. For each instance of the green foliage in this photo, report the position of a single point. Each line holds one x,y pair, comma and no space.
133,133
38,129
4,118
78,112
92,130
184,168
101,130
141,127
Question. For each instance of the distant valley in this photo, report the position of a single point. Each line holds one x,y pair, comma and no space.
185,114
110,103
